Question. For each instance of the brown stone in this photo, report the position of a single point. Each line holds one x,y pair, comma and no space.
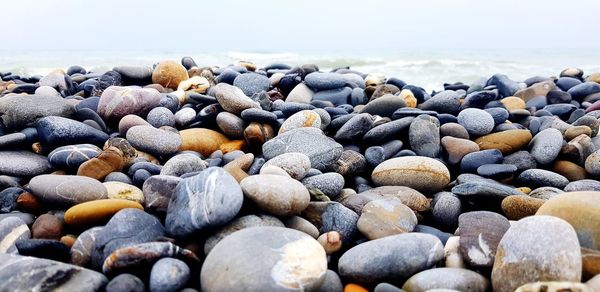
506,141
385,217
256,134
513,103
572,132
110,160
29,203
201,140
591,263
537,89
47,227
480,233
569,170
457,148
594,77
242,162
68,240
383,89
232,146
421,173
169,74
237,173
97,212
517,207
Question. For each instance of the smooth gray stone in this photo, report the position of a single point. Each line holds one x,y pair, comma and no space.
330,183
21,273
332,216
81,251
447,101
125,283
484,189
251,83
181,164
154,141
324,81
23,163
209,199
546,145
247,221
19,111
332,283
536,178
169,275
26,217
583,185
355,128
12,229
158,190
447,278
390,258
424,136
388,131
67,189
58,131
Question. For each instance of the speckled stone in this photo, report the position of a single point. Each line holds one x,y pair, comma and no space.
294,163
154,141
447,278
385,217
276,194
67,189
169,275
23,163
421,173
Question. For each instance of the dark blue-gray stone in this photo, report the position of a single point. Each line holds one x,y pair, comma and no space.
169,275
126,228
384,106
441,235
209,199
583,185
12,229
446,207
135,75
330,183
473,160
506,87
19,111
21,273
72,156
158,190
497,171
258,115
584,89
8,199
447,101
336,96
59,131
374,155
227,76
23,163
355,127
521,159
126,283
388,131
483,189
535,178
324,81
251,83
499,114
566,83
424,136
44,248
332,216
480,98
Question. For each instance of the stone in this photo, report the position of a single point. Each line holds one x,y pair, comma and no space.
424,136
332,282
158,190
553,286
536,248
208,199
290,260
117,102
23,163
58,131
321,150
390,258
537,89
22,273
120,190
47,226
135,75
457,148
294,163
126,282
480,232
169,74
181,164
545,145
506,141
472,161
331,241
72,156
385,217
384,106
324,81
301,93
304,118
97,211
169,274
387,131
583,185
518,207
301,224
580,209
330,183
81,250
541,178
66,189
154,141
447,278
8,199
275,194
258,220
420,173
355,128
142,255
349,164
477,122
161,116
204,141
12,229
446,101
484,189
252,83
110,160
446,207
592,163
126,228
233,99
332,216
19,111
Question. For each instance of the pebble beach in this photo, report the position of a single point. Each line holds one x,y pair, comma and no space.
272,177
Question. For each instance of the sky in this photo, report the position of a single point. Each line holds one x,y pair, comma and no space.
305,25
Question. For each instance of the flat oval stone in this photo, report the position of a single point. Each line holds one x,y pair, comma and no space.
97,211
204,141
447,278
324,81
154,141
181,164
67,189
276,194
12,229
519,207
72,156
208,199
480,232
320,149
290,260
169,274
42,273
240,223
330,183
477,122
546,145
484,189
420,173
506,141
581,210
520,260
23,163
233,99
304,118
535,178
19,111
294,163
251,83
118,101
385,217
384,106
390,258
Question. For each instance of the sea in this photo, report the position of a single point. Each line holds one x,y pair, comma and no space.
429,68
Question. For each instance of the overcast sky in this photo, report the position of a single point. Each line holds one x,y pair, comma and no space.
255,25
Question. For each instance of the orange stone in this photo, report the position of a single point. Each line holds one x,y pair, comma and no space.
169,74
99,167
506,141
513,103
355,288
29,203
201,140
97,212
570,170
68,240
232,146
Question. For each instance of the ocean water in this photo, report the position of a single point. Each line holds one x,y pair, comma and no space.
429,69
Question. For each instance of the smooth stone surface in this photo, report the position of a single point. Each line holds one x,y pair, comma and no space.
21,273
545,145
258,220
208,199
390,258
355,128
97,211
19,111
72,156
204,141
154,141
304,118
59,131
81,250
169,74
117,102
233,99
420,173
126,282
252,83
477,122
457,148
506,141
519,207
294,163
120,190
158,190
484,189
447,278
12,229
536,248
581,210
332,216
276,194
535,178
480,232
330,183
181,164
169,275
385,217
23,163
424,136
290,260
324,81
67,189
321,150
